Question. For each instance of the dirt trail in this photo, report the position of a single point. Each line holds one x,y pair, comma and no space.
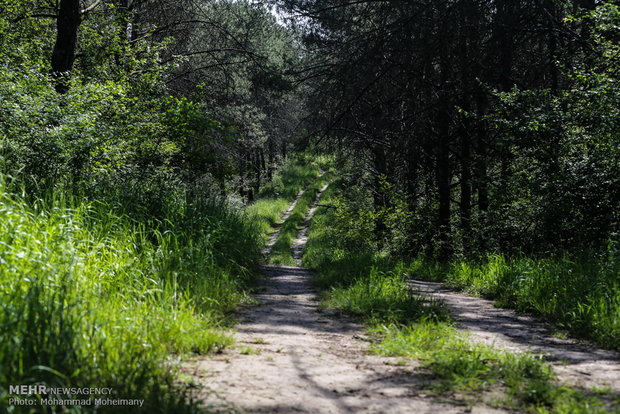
300,360
293,357
274,236
575,362
300,242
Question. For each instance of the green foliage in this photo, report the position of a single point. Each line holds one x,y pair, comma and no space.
383,297
93,298
561,191
357,280
100,135
297,173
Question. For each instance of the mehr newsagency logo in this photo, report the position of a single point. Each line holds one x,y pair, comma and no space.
42,395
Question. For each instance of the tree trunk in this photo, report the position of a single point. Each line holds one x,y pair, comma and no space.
552,44
443,183
63,55
442,164
257,170
380,201
481,181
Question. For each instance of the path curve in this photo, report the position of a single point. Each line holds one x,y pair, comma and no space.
575,362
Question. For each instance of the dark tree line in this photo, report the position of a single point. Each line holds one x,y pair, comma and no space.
494,121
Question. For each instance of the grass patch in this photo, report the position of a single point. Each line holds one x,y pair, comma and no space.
524,381
276,196
248,350
381,297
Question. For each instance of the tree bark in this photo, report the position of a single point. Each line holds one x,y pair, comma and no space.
63,55
443,148
380,173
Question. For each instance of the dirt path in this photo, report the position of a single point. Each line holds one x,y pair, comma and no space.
293,357
274,236
575,362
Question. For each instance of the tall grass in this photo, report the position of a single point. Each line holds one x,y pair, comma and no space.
381,296
92,298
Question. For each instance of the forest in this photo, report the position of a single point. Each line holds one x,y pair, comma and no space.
165,163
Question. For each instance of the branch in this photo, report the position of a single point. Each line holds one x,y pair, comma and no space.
91,7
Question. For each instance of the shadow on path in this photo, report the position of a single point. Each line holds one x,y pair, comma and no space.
576,362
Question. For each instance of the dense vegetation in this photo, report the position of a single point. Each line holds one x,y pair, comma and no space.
478,144
372,285
92,298
146,155
132,134
473,126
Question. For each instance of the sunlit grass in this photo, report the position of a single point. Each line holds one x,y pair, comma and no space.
268,212
92,298
514,380
383,297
